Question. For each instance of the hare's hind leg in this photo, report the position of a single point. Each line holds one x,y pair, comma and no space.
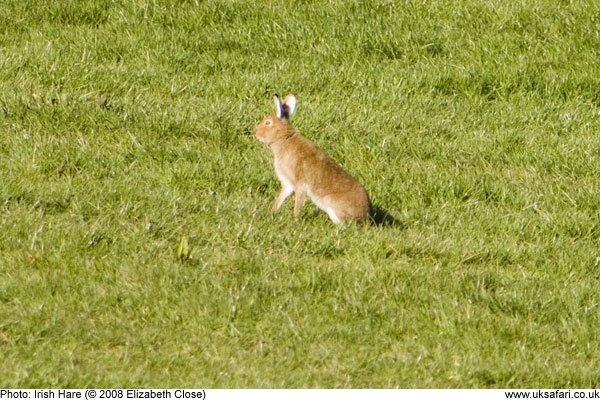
333,216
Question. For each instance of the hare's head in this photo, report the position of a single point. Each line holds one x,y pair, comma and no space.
276,126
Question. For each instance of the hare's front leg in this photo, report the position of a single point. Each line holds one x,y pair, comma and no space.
299,201
284,193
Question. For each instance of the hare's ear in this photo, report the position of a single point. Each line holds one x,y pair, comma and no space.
278,107
289,105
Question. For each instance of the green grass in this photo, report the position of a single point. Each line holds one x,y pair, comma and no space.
125,128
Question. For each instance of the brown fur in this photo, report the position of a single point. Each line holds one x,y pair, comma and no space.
305,170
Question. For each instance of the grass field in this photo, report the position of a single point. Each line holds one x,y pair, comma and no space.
137,247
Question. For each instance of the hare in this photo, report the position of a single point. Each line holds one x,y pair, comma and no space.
305,170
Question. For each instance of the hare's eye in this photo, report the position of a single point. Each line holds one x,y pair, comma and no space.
268,122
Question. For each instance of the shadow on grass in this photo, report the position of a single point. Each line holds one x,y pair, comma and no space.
381,217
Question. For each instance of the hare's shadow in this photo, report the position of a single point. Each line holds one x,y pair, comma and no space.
381,217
